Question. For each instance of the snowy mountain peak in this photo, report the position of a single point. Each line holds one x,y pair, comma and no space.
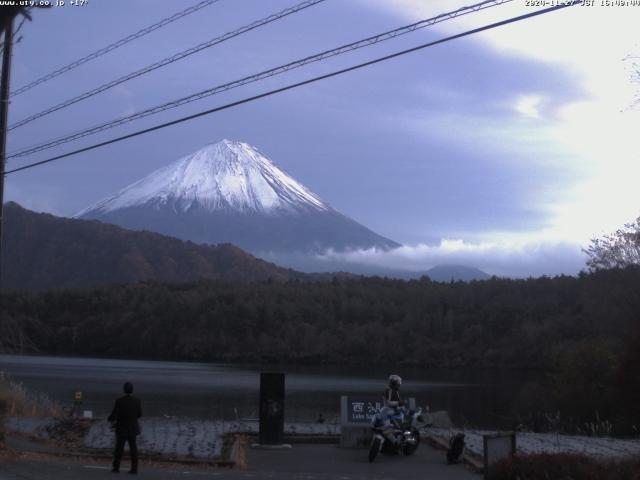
224,176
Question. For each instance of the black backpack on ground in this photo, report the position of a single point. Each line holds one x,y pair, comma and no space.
456,446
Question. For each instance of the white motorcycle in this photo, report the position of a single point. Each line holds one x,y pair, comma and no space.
395,434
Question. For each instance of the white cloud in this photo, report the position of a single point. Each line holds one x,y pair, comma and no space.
529,105
567,36
597,137
606,142
509,257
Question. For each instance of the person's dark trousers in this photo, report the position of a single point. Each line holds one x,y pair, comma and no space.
133,450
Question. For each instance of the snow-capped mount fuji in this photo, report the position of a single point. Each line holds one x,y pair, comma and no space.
228,192
222,176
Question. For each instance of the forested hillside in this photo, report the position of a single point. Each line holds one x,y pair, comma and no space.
42,251
493,323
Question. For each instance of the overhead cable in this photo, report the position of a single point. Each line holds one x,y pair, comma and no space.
299,84
259,76
167,61
113,46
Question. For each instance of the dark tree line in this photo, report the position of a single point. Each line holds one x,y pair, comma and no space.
584,331
494,323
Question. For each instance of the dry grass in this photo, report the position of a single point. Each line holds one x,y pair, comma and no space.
15,399
3,408
565,467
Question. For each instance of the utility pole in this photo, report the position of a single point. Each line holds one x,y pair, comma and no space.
7,15
7,20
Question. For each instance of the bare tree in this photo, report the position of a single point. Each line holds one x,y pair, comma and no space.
14,337
616,250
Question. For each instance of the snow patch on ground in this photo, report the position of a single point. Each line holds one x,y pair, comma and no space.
204,438
192,438
530,443
38,426
168,436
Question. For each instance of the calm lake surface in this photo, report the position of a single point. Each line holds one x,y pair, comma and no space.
217,391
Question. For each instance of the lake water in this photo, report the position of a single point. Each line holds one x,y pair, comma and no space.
217,391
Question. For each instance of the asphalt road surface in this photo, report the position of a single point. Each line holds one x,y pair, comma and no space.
308,462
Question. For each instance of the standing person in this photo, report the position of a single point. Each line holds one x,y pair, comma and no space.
125,415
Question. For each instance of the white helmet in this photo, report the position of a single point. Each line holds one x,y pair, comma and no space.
395,380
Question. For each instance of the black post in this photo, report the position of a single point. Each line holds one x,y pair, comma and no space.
4,111
271,409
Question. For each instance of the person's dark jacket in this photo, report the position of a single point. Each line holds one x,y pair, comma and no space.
125,414
392,398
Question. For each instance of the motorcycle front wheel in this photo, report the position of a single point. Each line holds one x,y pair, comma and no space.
409,449
375,448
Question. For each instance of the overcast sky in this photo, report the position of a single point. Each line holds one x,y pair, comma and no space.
506,150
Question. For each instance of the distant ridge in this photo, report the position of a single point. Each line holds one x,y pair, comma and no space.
42,251
446,273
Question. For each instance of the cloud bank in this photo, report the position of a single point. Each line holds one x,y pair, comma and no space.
504,259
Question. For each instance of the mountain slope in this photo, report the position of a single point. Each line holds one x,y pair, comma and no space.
43,251
446,273
229,192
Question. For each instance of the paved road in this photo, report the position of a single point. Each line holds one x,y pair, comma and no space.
308,462
320,462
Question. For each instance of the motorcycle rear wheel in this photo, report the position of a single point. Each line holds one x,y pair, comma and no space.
375,448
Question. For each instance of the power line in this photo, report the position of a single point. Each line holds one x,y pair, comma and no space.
298,84
260,76
168,60
113,46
